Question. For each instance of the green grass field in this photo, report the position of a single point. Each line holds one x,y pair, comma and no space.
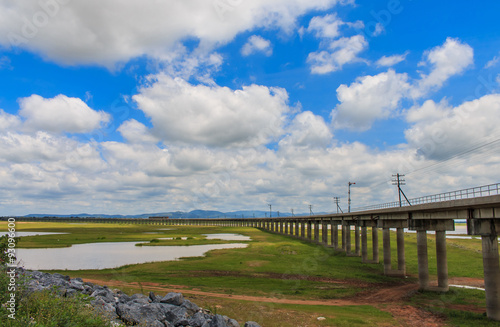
274,266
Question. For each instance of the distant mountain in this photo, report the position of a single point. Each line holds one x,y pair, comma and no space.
181,214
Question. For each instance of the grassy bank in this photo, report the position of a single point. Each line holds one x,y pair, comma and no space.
272,266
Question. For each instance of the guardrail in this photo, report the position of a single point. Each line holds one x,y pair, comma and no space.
485,190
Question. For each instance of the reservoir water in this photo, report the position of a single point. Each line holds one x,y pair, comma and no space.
109,255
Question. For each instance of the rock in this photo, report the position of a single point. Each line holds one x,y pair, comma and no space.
171,310
218,321
198,319
191,308
135,313
251,324
231,322
173,298
105,294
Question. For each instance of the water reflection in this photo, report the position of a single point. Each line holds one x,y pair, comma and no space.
109,255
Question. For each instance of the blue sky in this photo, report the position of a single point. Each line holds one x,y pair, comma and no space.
130,106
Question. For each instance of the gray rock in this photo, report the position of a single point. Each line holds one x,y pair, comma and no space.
173,298
251,324
218,321
176,315
105,294
197,320
231,322
135,313
190,307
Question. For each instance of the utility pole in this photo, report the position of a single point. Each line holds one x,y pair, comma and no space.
337,200
349,196
292,211
270,212
399,180
310,210
278,213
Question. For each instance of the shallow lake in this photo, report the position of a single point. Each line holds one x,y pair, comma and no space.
21,234
109,255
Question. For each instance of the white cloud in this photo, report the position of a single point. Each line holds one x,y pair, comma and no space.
325,26
493,62
452,58
389,61
136,132
60,114
369,98
308,130
256,44
107,32
213,115
379,29
340,52
439,130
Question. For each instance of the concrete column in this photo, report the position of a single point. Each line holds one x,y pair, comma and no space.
316,231
348,240
309,230
344,230
357,248
375,244
335,235
491,275
423,261
303,231
364,244
442,262
281,227
324,233
286,227
386,236
400,241
297,228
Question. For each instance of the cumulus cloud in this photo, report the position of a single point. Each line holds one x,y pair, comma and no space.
340,52
325,26
60,114
308,130
439,130
369,98
106,32
389,61
256,44
447,60
212,115
136,132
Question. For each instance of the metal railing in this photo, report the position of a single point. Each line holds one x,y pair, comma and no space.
474,192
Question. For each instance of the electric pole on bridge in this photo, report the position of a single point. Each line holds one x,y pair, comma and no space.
310,210
270,212
337,201
349,196
292,211
399,180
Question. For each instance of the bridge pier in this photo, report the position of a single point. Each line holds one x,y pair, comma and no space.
364,224
386,225
440,226
324,232
334,230
487,229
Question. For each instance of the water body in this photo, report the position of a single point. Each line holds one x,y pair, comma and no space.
109,255
228,237
21,234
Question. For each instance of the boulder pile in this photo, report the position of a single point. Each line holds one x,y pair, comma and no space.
171,310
